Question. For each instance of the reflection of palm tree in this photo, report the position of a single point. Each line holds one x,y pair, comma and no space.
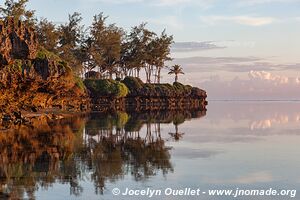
176,69
177,136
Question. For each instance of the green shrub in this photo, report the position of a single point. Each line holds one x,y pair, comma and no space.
99,87
120,90
106,87
148,90
133,84
182,89
40,55
43,54
166,89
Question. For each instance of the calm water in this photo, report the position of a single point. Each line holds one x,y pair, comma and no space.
246,145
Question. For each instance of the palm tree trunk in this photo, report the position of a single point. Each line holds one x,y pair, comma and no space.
158,75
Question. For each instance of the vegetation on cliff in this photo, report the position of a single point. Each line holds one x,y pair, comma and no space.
137,88
106,88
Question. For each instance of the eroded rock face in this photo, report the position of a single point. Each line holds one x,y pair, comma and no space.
17,41
33,79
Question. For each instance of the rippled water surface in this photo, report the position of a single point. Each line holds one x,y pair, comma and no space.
246,145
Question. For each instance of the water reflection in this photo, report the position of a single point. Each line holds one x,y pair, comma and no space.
99,148
260,115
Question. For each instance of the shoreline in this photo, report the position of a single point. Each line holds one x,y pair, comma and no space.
15,120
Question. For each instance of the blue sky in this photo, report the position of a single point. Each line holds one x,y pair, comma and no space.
251,43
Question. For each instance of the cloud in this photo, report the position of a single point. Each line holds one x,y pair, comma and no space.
230,64
267,76
195,46
215,60
244,20
260,85
211,64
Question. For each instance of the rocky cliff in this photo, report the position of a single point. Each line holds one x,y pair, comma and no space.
32,78
17,42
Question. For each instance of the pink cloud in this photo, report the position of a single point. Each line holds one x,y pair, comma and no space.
260,85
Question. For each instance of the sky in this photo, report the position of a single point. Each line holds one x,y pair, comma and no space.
234,49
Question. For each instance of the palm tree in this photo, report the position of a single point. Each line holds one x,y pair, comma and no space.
176,69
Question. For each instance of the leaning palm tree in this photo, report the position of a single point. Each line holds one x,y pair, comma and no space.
176,69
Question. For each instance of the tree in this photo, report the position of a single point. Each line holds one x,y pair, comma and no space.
160,52
70,37
112,49
138,53
86,56
47,35
95,41
143,49
106,45
17,10
176,70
